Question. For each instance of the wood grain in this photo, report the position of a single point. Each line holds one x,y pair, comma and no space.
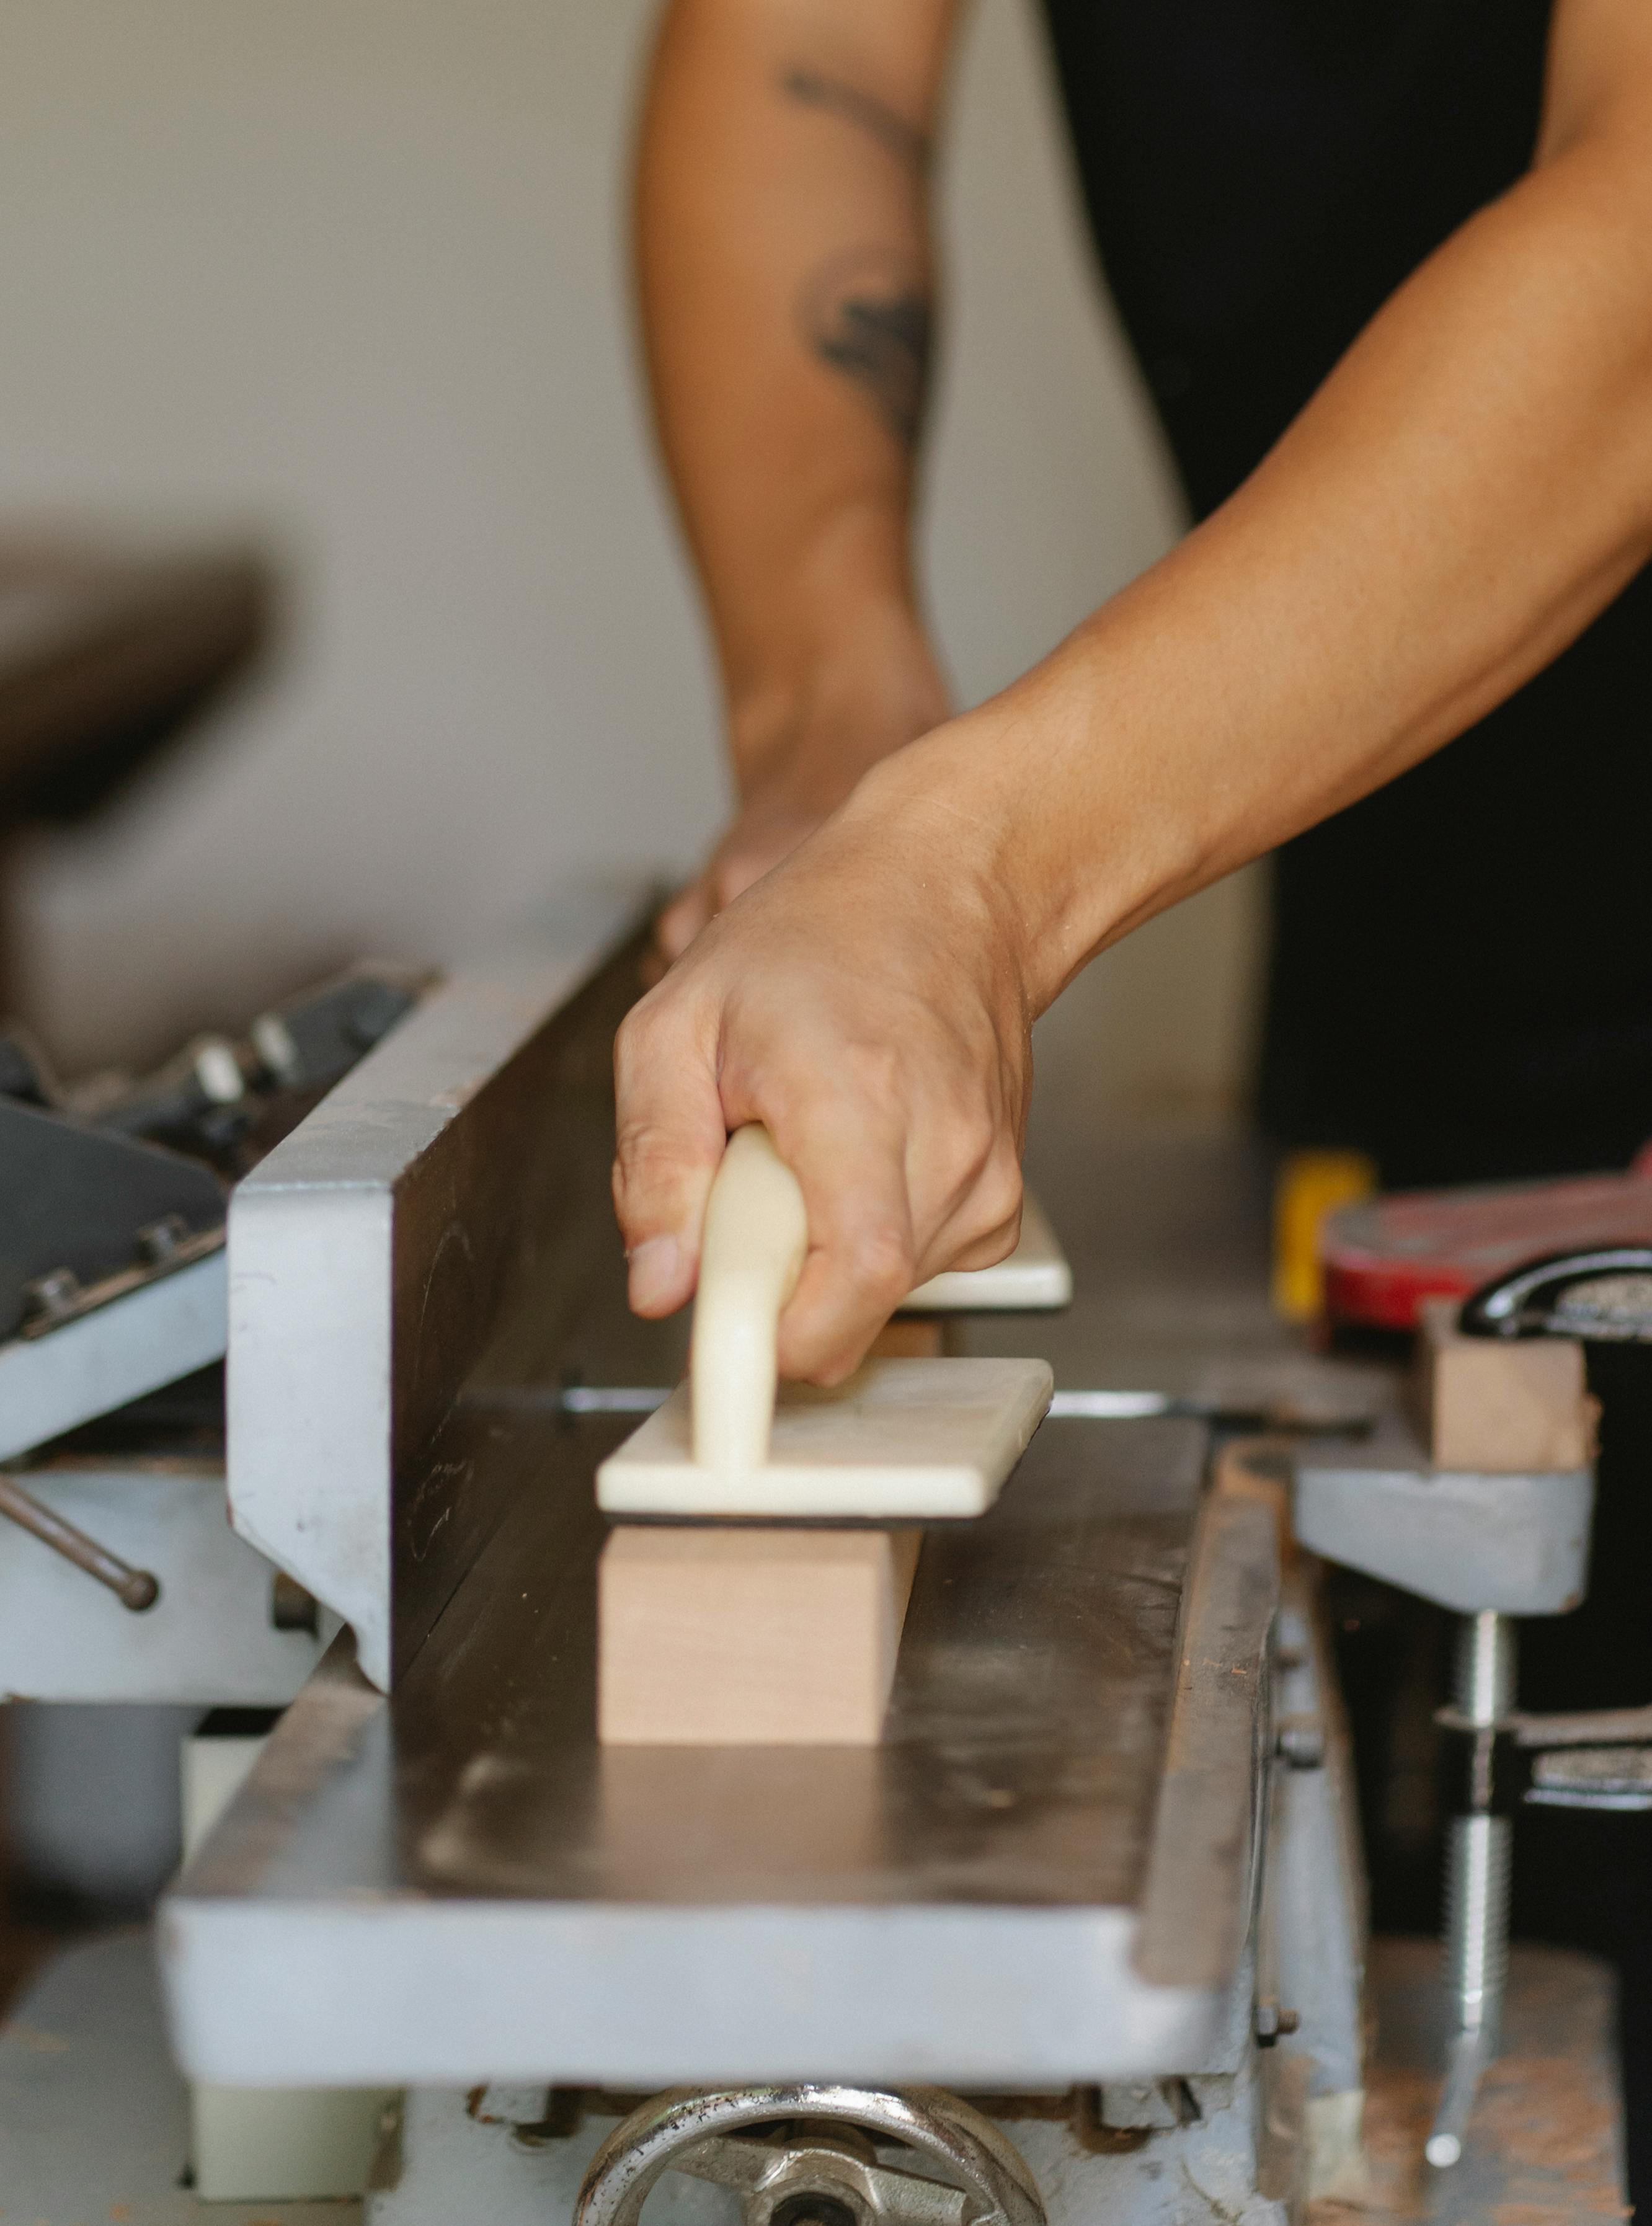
1510,1408
726,1635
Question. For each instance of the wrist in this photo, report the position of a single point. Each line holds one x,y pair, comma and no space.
828,708
1026,797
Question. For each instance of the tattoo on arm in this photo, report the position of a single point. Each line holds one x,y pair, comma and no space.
867,315
812,89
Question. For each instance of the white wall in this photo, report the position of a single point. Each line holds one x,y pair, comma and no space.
348,275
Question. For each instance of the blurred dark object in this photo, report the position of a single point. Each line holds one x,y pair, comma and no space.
105,659
102,1188
227,1099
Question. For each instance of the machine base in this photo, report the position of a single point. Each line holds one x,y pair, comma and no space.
95,2120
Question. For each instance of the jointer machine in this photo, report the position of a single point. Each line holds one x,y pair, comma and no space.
1080,1940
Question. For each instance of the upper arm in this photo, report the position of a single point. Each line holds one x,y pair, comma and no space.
1599,74
891,51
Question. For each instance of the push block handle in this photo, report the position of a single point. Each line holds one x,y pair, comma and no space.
752,1254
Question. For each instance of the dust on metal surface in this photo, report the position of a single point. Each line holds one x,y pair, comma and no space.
1543,2144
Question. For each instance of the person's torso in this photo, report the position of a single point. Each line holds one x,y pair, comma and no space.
1462,966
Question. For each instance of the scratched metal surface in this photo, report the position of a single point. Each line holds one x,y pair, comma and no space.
1024,1737
1020,1763
457,1884
390,1865
1020,1758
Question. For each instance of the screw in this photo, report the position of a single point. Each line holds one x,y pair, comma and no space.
158,1240
49,1298
1299,1742
217,1071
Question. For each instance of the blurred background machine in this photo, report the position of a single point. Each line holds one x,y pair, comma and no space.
1083,1940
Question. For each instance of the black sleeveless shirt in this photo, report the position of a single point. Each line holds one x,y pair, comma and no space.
1461,969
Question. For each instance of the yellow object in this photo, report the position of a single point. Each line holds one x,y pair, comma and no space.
1310,1185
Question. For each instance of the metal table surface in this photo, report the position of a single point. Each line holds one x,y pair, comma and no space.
456,1884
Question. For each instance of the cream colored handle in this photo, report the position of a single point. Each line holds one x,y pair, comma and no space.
752,1254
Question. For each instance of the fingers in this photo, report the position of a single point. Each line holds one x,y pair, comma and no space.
874,1232
680,921
743,857
670,1138
862,1251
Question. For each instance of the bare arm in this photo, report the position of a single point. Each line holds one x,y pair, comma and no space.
788,296
1466,491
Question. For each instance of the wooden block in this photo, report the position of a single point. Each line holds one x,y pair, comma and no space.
719,1636
1488,1405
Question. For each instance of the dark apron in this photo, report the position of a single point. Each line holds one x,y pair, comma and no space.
1461,971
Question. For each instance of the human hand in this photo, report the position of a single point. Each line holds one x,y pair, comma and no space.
869,1003
799,756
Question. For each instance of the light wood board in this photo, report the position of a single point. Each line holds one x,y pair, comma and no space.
901,1441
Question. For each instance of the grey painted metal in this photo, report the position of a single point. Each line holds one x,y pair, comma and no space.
164,1329
1315,1878
460,1886
689,2132
481,2155
208,1639
1314,1911
377,1250
93,2118
1200,1889
1517,1544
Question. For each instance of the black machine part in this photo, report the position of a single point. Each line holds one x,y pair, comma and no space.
115,1184
1602,1293
229,1100
78,1207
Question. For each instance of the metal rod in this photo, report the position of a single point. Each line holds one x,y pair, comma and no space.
1064,1407
1478,1859
136,1589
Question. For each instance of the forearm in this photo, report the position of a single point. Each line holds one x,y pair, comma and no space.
1467,491
787,291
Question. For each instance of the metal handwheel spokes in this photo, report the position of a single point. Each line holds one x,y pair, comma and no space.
816,2162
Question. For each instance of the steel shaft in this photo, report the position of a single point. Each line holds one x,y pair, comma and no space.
1478,1859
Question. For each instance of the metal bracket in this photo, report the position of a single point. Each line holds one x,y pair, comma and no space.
1601,1761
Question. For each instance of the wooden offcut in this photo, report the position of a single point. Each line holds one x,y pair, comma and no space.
726,1635
1513,1407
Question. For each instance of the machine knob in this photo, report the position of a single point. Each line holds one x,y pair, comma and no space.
808,2156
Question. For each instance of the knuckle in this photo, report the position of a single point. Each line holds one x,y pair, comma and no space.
998,1197
881,1262
653,1169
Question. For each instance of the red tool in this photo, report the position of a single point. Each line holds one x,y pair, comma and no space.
1383,1255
